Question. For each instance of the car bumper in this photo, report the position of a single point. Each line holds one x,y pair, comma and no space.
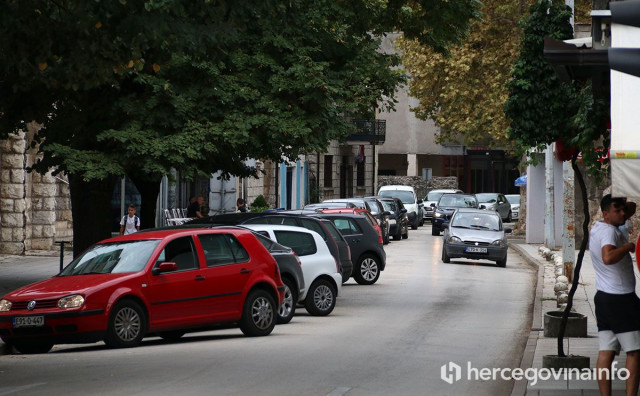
493,253
60,327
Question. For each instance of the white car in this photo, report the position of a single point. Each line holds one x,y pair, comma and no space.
514,200
431,200
319,269
409,199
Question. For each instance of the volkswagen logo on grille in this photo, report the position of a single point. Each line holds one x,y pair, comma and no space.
477,243
31,305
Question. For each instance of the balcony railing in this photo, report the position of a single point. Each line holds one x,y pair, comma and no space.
371,131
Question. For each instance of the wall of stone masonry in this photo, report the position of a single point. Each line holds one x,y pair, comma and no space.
35,210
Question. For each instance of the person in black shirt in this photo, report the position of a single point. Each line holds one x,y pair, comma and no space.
194,209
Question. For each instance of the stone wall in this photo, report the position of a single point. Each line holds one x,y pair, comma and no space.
35,210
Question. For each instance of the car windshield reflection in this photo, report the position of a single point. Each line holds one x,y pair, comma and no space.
476,221
118,257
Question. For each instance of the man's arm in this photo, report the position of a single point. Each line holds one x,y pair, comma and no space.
611,254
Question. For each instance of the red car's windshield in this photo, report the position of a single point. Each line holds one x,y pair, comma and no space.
117,257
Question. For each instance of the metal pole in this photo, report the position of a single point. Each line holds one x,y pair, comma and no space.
61,253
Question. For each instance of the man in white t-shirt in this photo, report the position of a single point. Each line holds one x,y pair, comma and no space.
617,305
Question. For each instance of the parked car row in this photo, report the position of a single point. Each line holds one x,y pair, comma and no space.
251,270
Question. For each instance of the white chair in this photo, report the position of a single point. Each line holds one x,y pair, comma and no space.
168,217
175,213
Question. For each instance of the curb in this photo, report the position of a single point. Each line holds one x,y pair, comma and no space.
520,386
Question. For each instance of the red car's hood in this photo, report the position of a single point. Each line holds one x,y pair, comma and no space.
60,286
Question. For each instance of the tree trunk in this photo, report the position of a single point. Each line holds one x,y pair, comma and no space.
91,211
149,187
583,248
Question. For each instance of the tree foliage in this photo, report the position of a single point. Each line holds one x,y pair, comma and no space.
541,108
139,87
464,91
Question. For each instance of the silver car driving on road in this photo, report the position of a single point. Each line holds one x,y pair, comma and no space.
475,234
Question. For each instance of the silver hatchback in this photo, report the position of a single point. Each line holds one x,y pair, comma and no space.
475,234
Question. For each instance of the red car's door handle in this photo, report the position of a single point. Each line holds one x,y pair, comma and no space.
244,271
199,277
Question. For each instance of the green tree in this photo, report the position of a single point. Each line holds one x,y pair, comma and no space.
464,91
542,110
138,87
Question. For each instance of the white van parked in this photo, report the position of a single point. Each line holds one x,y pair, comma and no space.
410,200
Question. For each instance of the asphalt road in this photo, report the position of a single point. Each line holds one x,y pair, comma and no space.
391,338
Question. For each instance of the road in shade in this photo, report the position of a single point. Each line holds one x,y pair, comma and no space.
391,338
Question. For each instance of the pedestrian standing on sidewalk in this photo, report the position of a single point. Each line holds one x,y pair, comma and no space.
617,305
130,223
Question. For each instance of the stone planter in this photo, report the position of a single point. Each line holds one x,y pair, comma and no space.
576,324
565,362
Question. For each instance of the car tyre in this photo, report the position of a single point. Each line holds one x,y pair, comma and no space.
127,325
509,217
321,298
502,263
414,225
435,230
445,256
368,270
31,347
406,232
288,306
258,314
398,234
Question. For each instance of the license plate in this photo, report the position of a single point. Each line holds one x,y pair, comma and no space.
392,222
475,249
28,321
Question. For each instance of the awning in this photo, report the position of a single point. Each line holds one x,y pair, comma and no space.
521,181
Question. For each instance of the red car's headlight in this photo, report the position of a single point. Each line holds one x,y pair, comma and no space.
73,301
5,305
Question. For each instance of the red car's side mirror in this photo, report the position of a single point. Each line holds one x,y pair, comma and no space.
167,266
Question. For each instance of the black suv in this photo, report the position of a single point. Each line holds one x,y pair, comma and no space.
398,216
370,257
446,206
337,244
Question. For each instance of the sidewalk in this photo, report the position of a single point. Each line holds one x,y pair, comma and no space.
18,271
538,345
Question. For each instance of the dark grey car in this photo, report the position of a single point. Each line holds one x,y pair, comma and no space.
291,274
369,255
496,202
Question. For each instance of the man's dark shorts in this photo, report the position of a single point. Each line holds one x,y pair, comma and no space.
618,317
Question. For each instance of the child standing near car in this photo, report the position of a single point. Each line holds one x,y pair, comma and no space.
130,223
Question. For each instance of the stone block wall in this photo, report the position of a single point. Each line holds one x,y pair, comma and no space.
35,210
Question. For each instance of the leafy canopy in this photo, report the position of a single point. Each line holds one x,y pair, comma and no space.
464,91
200,86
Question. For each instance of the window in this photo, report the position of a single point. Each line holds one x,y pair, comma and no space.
314,226
360,173
328,170
181,252
301,242
347,227
221,249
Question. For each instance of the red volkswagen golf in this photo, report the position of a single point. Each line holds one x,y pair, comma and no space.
162,282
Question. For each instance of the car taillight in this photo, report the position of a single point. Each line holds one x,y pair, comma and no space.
379,235
338,268
297,258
